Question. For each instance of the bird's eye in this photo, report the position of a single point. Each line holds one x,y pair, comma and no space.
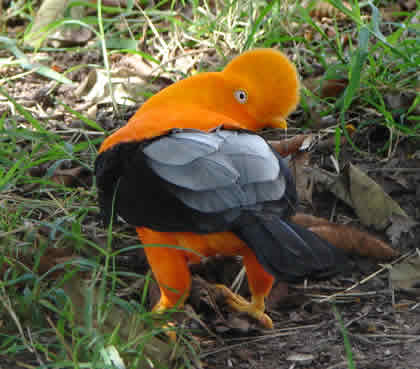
241,96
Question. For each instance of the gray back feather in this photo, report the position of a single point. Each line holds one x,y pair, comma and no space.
217,171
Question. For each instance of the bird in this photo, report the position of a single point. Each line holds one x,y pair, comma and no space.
190,172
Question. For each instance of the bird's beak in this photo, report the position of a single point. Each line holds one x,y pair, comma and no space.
277,122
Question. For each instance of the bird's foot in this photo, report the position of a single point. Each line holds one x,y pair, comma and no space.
254,309
167,327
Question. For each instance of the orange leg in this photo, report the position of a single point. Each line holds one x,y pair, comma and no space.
169,266
260,283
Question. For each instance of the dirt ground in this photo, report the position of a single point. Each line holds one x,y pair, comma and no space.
382,324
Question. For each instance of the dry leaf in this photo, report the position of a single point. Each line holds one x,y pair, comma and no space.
347,238
127,87
304,182
326,87
406,275
400,225
73,177
355,241
389,13
332,182
50,11
302,358
292,145
333,87
373,206
323,9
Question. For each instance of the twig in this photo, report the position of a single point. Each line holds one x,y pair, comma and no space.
364,280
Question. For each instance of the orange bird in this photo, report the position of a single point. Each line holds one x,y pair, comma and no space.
188,171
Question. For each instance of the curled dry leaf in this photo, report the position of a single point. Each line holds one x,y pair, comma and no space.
347,238
73,177
304,182
322,9
292,145
127,87
326,87
299,147
307,221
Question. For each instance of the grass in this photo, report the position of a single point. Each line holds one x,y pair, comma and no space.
42,320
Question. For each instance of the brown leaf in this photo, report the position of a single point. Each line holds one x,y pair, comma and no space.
291,145
53,257
323,9
326,87
390,13
304,182
307,221
330,141
347,238
73,177
333,87
354,241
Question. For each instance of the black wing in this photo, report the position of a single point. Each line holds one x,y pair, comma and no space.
194,181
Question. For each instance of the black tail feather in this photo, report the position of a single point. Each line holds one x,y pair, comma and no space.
289,251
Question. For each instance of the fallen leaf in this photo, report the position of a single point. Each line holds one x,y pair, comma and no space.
332,182
370,202
301,357
400,225
323,9
127,87
333,87
292,145
406,274
49,11
391,13
372,205
304,182
73,177
326,87
347,238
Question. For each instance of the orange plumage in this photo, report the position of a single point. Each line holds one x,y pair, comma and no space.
213,190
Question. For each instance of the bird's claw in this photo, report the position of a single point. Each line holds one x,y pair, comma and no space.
255,309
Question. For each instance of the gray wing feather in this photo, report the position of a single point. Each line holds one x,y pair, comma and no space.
182,147
203,173
217,171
